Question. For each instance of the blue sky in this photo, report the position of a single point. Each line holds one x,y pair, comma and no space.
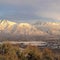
30,10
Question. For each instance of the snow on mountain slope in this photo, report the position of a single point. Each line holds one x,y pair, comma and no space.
28,29
17,29
38,28
6,25
20,31
52,28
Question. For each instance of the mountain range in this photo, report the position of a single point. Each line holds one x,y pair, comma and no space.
17,31
52,28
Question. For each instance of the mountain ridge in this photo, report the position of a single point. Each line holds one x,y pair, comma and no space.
12,30
49,27
21,27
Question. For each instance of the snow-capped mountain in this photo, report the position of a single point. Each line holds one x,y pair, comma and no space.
12,30
6,25
19,28
52,28
38,28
